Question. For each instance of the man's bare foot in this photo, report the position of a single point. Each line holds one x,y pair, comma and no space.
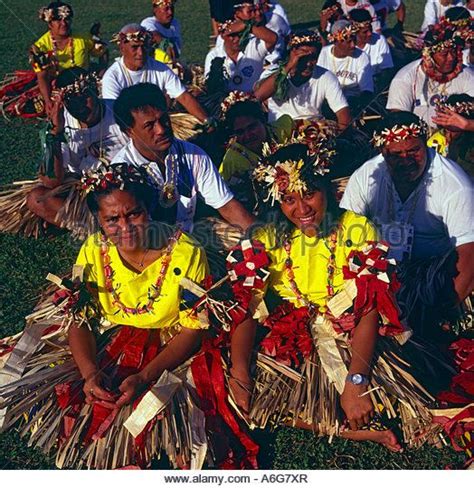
385,437
240,391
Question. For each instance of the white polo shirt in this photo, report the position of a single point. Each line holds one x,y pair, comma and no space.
199,177
353,72
411,90
118,77
441,211
434,11
243,74
305,101
83,149
379,54
173,32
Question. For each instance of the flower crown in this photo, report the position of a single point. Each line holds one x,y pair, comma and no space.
357,26
443,36
297,40
398,133
343,35
163,3
138,36
287,176
461,108
81,84
108,176
225,26
233,98
63,12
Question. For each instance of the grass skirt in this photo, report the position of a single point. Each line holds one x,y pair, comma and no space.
304,380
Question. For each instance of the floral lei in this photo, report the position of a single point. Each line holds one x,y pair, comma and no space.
233,98
154,290
399,133
430,68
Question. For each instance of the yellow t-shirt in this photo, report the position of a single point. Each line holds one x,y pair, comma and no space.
238,159
188,260
83,49
310,257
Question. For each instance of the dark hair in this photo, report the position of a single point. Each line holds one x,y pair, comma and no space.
248,108
269,213
137,98
143,193
69,76
457,13
56,5
360,15
461,98
331,3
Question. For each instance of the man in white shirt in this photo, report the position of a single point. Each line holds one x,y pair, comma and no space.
241,58
164,26
136,66
180,171
440,73
349,63
84,131
422,204
348,5
374,45
435,9
299,87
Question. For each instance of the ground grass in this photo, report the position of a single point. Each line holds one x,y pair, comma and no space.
24,263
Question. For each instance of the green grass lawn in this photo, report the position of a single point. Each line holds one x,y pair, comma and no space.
24,263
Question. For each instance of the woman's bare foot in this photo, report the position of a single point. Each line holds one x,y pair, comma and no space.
240,391
385,437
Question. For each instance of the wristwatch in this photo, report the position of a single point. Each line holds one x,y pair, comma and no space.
357,379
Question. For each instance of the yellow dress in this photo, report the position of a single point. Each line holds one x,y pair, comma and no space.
187,261
238,159
310,257
84,48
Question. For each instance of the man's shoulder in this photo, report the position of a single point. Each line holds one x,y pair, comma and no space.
113,69
408,70
188,148
445,170
44,41
149,22
125,155
467,73
361,56
322,74
368,169
157,66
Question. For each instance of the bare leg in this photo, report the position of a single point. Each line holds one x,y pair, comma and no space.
386,437
241,346
43,206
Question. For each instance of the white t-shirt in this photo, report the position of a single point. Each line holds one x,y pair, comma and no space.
366,6
434,11
353,72
278,25
379,53
118,77
440,210
200,177
173,32
411,90
246,72
82,151
305,101
277,8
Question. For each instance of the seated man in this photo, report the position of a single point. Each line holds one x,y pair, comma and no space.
60,49
179,170
384,7
136,66
348,5
419,85
374,45
349,64
299,88
166,31
239,61
435,10
331,12
84,132
423,205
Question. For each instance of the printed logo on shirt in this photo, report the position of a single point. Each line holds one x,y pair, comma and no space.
344,73
248,71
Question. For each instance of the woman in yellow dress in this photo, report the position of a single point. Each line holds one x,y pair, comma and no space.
91,406
331,359
59,49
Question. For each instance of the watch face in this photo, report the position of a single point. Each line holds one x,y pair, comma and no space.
357,379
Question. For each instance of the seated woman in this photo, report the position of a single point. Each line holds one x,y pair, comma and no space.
132,271
323,363
59,48
246,125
